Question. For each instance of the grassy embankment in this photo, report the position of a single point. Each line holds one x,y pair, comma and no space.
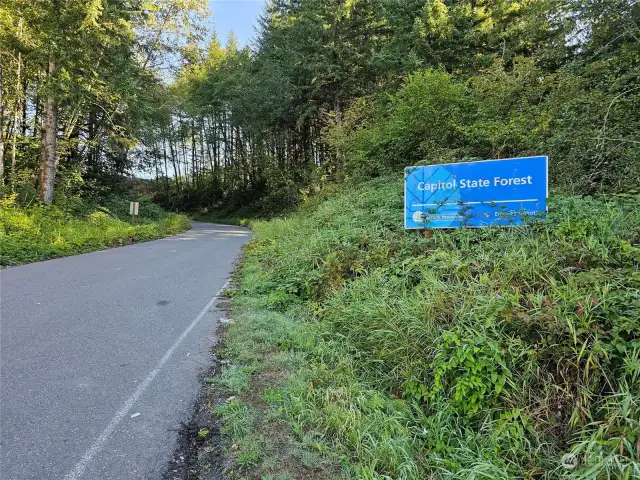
34,233
363,351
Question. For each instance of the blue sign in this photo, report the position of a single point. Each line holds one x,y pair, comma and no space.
476,194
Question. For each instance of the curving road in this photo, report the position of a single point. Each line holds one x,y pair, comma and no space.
88,342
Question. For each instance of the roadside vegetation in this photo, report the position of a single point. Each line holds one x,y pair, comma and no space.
71,226
363,349
358,349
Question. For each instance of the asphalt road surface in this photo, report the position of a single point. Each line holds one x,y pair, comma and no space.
101,355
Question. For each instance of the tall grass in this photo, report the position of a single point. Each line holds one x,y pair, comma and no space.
33,233
494,353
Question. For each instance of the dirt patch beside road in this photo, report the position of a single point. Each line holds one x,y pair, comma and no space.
201,452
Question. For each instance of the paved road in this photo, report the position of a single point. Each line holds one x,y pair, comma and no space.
88,341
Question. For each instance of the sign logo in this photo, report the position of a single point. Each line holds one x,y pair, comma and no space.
476,194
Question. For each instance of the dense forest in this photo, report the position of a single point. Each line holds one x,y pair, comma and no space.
330,90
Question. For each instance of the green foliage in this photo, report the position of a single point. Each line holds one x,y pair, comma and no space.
97,63
235,378
239,425
118,207
501,352
471,370
34,233
419,123
369,86
331,90
501,112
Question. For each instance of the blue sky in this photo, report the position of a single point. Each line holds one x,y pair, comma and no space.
241,16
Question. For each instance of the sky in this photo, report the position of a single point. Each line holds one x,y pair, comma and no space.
241,16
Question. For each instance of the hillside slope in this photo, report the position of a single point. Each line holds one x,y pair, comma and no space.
363,349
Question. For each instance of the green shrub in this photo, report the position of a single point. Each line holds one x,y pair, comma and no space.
582,116
495,353
34,233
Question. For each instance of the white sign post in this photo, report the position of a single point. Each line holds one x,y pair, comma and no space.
133,210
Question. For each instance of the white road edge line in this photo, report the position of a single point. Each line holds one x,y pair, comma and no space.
99,444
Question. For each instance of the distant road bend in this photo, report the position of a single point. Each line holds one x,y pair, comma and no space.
101,353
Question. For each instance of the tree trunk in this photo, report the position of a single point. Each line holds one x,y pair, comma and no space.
166,168
338,110
36,115
25,102
207,138
173,152
91,148
49,133
1,129
194,156
16,113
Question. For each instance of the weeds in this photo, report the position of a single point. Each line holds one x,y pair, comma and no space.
495,353
30,234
